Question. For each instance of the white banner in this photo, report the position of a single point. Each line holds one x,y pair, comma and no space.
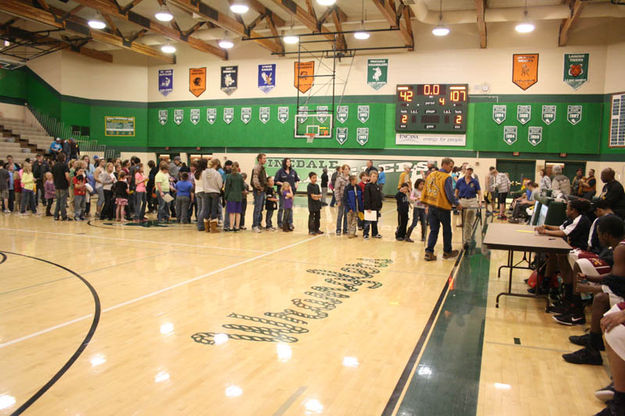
430,139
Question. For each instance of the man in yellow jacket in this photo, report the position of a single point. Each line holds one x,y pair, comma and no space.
438,194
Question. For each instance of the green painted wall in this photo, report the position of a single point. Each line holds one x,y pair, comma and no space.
589,137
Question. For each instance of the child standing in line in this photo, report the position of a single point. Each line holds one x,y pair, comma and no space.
271,203
140,199
373,202
233,193
403,207
50,190
17,189
314,205
364,178
80,193
352,198
246,190
419,211
120,193
287,195
184,197
28,190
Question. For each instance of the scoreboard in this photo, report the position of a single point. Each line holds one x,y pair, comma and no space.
422,108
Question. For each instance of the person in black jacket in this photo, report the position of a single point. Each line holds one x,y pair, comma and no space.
324,186
613,192
149,188
373,202
40,167
403,206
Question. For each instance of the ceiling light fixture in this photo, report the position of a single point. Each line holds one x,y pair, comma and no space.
226,44
168,48
163,14
96,23
440,29
326,2
239,7
362,34
291,38
525,26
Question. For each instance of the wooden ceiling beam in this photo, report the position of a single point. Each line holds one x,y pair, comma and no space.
28,12
402,22
224,21
307,19
261,9
576,7
480,8
341,43
274,31
33,37
130,5
110,9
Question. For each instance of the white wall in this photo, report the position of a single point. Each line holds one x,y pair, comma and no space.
615,69
11,111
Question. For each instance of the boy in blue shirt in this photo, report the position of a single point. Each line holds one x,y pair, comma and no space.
352,201
184,197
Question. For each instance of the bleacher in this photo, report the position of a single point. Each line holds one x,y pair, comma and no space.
22,138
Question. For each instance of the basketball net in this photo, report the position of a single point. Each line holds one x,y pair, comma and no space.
310,137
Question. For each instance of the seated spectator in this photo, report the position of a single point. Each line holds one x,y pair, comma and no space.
613,192
520,205
545,181
597,270
589,185
56,147
560,185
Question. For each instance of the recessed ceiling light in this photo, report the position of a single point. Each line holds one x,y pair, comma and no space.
168,48
290,39
440,31
525,27
96,24
239,7
362,35
226,44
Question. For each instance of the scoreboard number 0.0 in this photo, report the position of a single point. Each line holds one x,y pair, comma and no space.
422,108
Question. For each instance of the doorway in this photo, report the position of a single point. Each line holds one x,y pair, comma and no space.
517,170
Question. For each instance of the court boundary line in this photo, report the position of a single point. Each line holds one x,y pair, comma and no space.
156,292
136,240
83,345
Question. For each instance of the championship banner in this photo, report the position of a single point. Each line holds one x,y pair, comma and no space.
549,114
525,70
574,114
162,117
377,73
264,114
194,115
266,77
178,116
165,81
363,113
341,135
304,73
524,113
342,113
229,78
228,115
362,135
246,114
322,113
499,113
535,135
283,114
510,134
197,81
575,69
211,115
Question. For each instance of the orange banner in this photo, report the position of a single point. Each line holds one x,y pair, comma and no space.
525,70
304,75
197,81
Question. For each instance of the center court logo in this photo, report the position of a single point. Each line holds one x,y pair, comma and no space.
319,301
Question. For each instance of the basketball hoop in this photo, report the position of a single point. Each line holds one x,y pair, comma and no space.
310,137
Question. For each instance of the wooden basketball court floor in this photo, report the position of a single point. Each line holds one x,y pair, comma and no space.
108,319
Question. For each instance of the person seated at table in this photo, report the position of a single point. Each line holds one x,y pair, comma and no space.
575,231
528,199
596,270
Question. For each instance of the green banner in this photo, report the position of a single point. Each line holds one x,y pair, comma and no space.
392,169
575,69
377,73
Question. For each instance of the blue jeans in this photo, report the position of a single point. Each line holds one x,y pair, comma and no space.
29,201
418,215
268,218
436,217
282,213
163,208
288,216
212,209
139,205
259,203
201,199
61,203
341,217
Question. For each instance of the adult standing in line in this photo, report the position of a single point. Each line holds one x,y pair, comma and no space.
161,181
370,168
560,184
201,197
438,195
40,167
152,201
342,180
97,173
332,182
613,192
324,187
431,168
545,181
227,171
285,174
404,177
489,195
382,179
502,185
469,193
174,168
259,182
89,168
108,179
589,185
373,200
60,175
212,183
4,188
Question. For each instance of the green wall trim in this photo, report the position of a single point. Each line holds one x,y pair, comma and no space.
12,100
538,98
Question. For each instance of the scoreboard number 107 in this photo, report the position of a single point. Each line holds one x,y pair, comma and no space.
422,108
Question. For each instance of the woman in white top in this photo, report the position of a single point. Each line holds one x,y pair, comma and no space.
107,178
98,185
201,198
545,181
